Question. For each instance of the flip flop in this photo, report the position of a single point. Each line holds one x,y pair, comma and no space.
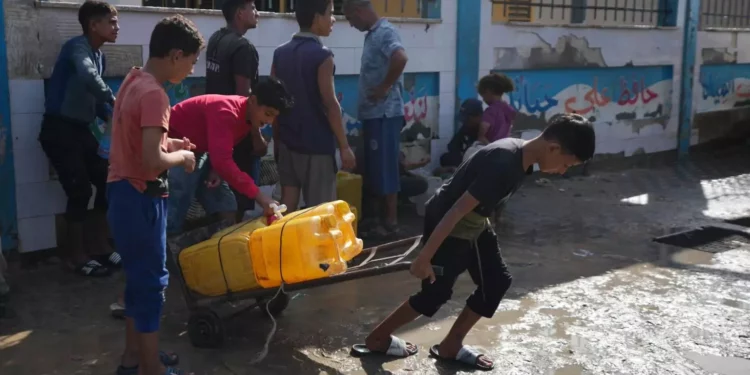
166,359
466,356
111,260
117,310
92,268
397,348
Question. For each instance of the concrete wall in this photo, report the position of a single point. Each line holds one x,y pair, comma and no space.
625,79
35,33
722,86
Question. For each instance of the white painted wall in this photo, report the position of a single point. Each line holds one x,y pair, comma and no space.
736,43
619,46
430,46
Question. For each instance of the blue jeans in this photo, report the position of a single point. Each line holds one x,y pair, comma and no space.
184,187
139,227
382,144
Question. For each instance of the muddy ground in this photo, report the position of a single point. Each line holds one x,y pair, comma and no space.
592,294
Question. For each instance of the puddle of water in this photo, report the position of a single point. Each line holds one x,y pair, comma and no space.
569,370
721,365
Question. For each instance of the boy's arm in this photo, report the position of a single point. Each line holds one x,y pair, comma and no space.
333,111
245,68
220,146
391,46
154,123
465,204
482,135
331,103
87,72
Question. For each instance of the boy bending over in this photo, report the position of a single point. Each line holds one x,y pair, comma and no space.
458,237
216,124
137,188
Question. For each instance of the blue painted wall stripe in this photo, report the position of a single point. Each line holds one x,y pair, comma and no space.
468,31
8,220
689,50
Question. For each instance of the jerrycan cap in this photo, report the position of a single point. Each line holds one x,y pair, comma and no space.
278,210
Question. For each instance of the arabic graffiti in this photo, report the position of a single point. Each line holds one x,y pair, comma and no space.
524,97
637,90
724,86
532,98
715,86
593,97
416,108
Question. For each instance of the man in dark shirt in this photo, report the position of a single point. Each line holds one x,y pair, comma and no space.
471,117
232,69
458,236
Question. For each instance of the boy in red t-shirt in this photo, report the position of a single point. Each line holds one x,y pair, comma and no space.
137,189
216,124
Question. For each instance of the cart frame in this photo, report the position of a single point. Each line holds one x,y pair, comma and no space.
205,326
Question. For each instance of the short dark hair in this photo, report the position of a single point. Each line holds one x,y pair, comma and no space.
574,133
495,83
175,32
305,11
230,7
93,10
271,92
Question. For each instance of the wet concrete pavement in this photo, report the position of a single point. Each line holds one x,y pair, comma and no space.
592,294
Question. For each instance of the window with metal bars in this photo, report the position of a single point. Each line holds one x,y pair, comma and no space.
588,12
387,8
725,14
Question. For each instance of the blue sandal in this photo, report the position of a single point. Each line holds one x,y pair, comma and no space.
165,358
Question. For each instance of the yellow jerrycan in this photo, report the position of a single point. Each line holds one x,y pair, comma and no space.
345,221
297,248
222,263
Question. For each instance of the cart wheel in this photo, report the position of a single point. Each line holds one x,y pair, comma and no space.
205,329
276,305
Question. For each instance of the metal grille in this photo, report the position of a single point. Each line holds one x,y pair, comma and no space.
708,239
725,14
588,12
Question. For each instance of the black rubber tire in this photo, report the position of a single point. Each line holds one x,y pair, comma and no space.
205,329
275,306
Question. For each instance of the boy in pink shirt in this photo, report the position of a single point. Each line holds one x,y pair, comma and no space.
498,117
137,188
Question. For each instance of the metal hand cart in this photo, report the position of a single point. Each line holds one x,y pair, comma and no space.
205,326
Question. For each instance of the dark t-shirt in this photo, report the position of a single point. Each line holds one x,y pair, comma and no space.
229,54
463,139
491,175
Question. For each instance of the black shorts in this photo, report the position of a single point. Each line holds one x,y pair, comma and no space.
481,258
74,153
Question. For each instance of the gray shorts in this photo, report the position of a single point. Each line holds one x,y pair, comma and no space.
314,175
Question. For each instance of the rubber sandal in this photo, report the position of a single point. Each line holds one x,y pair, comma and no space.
111,260
166,359
466,356
397,348
92,268
117,310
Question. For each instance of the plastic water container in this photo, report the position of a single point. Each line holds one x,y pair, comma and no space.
349,189
297,249
345,222
222,263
